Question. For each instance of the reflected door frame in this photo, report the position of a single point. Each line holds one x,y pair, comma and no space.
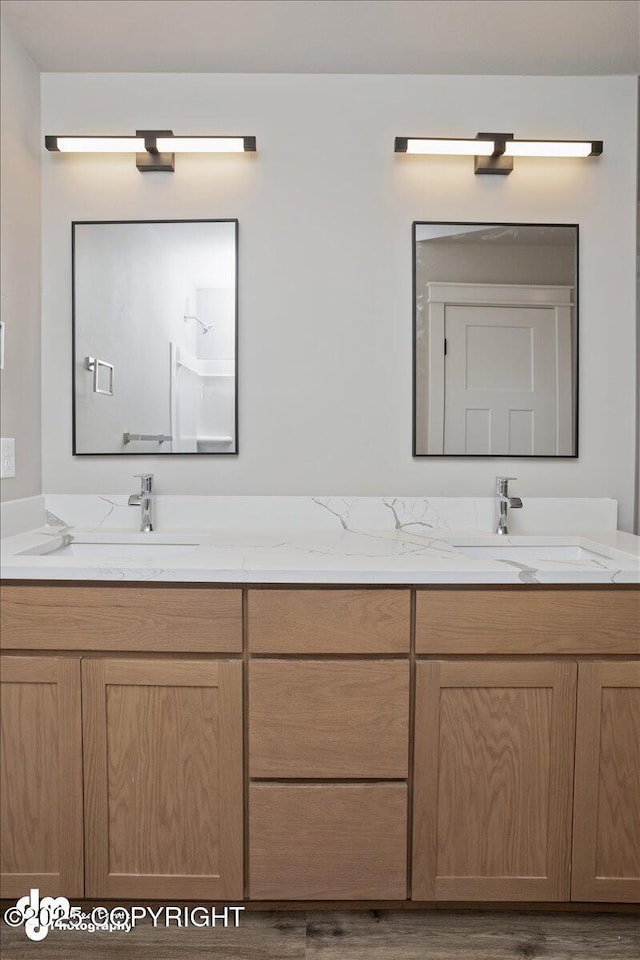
440,295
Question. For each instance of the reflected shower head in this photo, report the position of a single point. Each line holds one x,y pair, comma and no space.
205,326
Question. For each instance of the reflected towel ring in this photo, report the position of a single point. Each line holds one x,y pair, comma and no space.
94,364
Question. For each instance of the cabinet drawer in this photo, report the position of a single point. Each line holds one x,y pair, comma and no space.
119,618
528,620
330,719
333,842
329,621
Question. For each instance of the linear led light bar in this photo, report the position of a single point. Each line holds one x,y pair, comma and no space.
154,149
458,148
494,152
205,144
95,144
553,148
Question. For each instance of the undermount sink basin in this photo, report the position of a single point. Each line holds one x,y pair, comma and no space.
138,548
124,551
521,552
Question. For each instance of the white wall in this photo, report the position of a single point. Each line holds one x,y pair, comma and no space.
20,259
325,211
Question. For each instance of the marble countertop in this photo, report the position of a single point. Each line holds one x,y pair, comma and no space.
369,540
363,557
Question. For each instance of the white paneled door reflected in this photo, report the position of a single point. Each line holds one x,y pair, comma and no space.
500,380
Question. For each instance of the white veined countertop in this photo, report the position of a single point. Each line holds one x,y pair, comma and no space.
331,540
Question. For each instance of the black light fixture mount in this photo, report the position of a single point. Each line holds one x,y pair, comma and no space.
150,159
496,162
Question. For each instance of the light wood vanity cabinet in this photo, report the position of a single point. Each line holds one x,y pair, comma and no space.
161,745
160,738
440,743
527,780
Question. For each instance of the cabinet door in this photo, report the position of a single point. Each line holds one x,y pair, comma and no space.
606,826
163,778
41,785
493,780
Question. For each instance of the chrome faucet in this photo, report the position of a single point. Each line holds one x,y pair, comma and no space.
504,501
144,500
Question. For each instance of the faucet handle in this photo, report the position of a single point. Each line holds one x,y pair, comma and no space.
146,481
502,484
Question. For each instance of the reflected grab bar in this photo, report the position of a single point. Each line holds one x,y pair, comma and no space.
150,437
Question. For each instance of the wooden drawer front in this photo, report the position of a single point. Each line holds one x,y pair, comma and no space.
329,621
41,787
163,778
528,620
328,719
163,619
334,842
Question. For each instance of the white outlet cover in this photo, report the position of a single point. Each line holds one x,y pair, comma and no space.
7,458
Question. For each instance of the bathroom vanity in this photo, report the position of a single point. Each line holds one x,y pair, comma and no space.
451,739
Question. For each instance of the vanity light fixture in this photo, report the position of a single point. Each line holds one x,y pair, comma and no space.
494,152
154,149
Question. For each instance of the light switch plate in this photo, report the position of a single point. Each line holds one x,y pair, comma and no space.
8,458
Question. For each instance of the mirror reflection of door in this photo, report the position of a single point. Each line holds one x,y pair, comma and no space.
495,348
500,381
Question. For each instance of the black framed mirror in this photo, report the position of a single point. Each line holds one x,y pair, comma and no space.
155,337
495,339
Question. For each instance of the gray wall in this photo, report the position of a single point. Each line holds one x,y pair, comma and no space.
20,257
453,262
636,527
325,211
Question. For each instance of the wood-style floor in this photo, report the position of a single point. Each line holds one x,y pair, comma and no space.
384,935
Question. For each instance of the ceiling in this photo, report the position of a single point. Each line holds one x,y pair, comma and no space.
556,37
